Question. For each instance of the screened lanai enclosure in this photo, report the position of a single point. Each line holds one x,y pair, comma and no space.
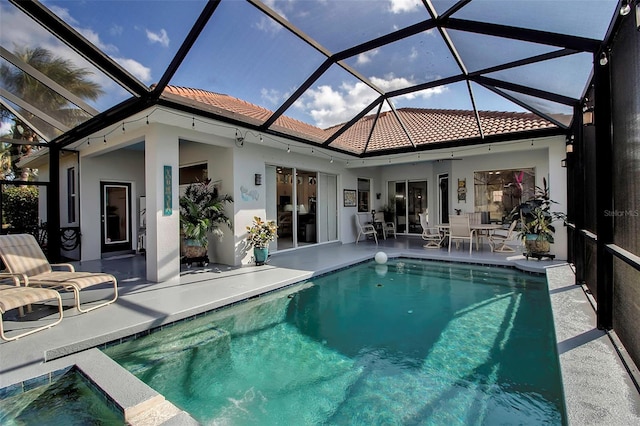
352,80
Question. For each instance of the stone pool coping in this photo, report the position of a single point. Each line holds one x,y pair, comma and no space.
597,386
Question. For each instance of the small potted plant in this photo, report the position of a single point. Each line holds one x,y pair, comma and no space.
202,213
536,221
259,235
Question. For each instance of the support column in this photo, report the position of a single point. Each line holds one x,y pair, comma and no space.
53,205
604,193
163,220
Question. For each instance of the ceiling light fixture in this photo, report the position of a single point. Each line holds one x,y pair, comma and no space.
603,59
625,8
331,161
288,149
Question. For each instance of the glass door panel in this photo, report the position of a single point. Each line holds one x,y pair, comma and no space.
417,201
285,206
398,199
306,191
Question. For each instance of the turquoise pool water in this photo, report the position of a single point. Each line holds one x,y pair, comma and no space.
69,400
410,342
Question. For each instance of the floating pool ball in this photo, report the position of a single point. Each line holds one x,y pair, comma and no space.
381,257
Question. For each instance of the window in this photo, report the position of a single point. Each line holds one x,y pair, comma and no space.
71,195
364,189
195,173
497,192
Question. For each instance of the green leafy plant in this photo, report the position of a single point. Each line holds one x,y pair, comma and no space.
261,232
535,216
202,212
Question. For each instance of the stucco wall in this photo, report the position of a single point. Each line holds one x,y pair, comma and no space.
119,166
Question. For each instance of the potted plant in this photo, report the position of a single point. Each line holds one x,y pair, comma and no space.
260,234
536,221
201,214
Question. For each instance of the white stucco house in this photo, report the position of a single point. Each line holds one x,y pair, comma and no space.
140,164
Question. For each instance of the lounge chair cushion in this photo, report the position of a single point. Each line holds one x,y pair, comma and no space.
12,297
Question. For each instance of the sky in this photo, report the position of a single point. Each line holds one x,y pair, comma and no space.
245,54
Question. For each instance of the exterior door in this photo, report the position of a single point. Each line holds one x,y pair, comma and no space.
443,184
116,217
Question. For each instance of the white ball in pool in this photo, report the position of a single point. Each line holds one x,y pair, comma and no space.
381,270
381,257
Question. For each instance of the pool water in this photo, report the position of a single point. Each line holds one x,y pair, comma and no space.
409,342
69,400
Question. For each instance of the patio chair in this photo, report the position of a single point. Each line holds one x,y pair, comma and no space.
460,230
387,227
23,257
14,296
432,235
365,228
498,242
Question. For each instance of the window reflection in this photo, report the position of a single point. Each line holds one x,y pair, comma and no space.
498,192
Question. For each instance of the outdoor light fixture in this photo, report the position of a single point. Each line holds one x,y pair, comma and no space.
258,179
569,148
625,8
603,59
587,116
563,162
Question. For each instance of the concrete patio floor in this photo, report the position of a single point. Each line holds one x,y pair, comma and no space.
598,386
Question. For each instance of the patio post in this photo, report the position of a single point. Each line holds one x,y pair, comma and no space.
604,194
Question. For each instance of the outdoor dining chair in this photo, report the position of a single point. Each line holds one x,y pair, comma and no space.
23,257
498,242
365,228
431,235
388,228
460,230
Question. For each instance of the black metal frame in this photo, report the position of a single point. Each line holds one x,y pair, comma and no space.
143,98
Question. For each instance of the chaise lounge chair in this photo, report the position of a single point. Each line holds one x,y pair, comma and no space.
23,257
14,296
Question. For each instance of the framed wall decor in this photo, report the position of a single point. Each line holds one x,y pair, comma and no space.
350,198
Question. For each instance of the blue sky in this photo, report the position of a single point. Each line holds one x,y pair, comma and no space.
244,54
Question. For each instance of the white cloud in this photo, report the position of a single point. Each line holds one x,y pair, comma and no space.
136,68
328,106
365,58
272,96
63,14
267,24
400,6
5,128
116,30
414,54
162,37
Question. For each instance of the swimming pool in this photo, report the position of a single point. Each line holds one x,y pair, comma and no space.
412,342
68,399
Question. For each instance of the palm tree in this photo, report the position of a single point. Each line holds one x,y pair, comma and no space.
27,88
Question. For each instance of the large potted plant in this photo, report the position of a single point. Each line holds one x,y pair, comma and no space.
536,221
202,213
259,235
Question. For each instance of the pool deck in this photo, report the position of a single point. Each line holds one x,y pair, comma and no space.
598,385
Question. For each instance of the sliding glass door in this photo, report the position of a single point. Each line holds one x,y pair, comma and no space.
409,198
305,206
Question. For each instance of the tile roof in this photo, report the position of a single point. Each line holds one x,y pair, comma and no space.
424,126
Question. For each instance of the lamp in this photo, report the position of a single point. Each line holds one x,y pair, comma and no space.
302,209
603,59
288,207
625,8
587,116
